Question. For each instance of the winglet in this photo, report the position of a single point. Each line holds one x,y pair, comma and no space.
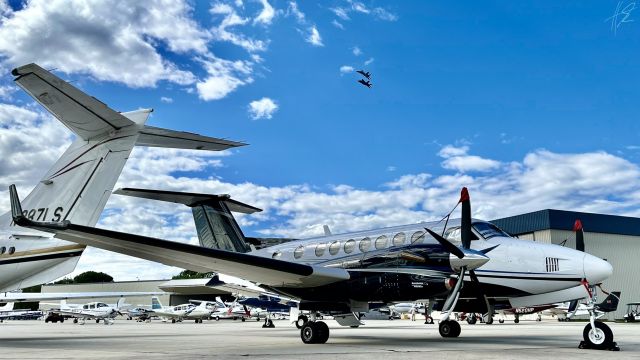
16,208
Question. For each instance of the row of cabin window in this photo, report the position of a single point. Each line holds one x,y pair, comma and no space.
4,250
364,245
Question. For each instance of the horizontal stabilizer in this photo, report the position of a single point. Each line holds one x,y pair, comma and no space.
86,116
28,297
189,199
157,137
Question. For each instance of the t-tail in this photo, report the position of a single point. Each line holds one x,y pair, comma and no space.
77,187
155,303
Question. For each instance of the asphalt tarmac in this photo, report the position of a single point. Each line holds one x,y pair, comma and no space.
376,340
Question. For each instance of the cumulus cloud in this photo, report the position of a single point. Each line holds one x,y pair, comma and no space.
262,109
231,19
456,158
166,100
350,6
293,9
266,15
345,69
224,77
356,51
6,91
314,37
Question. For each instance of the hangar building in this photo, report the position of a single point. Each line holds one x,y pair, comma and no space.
614,238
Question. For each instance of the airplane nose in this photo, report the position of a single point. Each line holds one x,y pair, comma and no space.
596,270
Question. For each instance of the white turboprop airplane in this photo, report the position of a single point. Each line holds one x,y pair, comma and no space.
78,185
343,273
93,310
180,312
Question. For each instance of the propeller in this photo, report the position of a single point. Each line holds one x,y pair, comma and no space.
577,228
463,259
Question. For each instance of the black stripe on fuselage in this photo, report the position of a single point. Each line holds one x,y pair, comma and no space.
528,277
41,257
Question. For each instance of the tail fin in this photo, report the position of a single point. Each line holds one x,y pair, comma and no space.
77,187
63,304
155,303
610,303
7,307
120,303
216,226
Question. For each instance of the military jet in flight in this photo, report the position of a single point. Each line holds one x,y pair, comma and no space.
365,83
365,74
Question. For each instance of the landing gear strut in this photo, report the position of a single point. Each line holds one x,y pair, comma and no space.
597,335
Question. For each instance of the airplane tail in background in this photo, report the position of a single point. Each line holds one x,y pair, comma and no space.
78,185
7,307
155,303
610,303
120,303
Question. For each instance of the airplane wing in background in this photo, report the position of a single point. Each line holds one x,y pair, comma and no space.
27,297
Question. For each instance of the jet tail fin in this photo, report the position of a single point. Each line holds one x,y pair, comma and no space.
7,307
610,303
155,303
120,303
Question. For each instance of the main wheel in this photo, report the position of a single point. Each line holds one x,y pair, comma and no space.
449,328
489,320
173,321
217,318
309,333
75,321
516,320
322,332
243,319
599,338
472,319
301,321
501,321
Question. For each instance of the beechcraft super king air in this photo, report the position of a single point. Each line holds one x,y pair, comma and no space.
78,185
343,274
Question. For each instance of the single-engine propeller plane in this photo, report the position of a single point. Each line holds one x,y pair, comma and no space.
341,274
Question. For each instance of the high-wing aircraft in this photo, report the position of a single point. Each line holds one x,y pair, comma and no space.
365,74
78,185
180,312
365,83
94,310
343,273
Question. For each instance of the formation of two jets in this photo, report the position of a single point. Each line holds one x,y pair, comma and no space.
367,75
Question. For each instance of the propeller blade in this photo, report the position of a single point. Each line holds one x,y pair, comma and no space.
450,247
481,292
465,228
577,227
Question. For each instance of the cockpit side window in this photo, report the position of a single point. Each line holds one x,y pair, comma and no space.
488,230
455,234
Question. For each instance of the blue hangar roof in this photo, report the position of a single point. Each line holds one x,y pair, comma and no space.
564,220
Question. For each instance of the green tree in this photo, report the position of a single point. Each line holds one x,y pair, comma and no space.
188,274
91,277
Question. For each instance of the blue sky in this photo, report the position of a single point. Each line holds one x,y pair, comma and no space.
464,93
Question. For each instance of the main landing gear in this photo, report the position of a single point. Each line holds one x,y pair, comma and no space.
449,328
314,332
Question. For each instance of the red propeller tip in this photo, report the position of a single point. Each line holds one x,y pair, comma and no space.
577,226
464,195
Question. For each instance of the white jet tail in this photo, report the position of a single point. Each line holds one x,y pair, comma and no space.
7,307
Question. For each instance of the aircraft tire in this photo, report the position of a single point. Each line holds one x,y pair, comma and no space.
75,321
489,321
217,318
501,321
601,338
243,319
449,328
173,321
471,319
61,320
323,332
516,320
308,333
301,321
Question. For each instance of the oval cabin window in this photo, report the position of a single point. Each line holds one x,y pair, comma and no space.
298,252
381,242
320,249
398,239
417,237
276,255
365,244
334,247
12,250
349,246
3,250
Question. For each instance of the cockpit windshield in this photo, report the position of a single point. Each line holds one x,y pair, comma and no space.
488,230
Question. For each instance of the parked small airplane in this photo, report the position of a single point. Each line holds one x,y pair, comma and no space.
566,311
365,74
341,274
180,312
232,311
268,306
365,83
77,186
517,312
7,312
94,310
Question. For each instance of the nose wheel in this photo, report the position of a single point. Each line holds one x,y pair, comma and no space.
314,332
599,337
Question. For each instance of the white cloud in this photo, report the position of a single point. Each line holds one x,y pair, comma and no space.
224,77
266,15
314,37
450,150
166,99
383,14
342,13
356,51
379,13
113,42
457,158
262,109
345,69
231,20
369,61
293,9
337,24
6,91
359,7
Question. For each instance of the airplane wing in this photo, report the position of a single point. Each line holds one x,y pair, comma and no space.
86,116
27,297
258,269
158,137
